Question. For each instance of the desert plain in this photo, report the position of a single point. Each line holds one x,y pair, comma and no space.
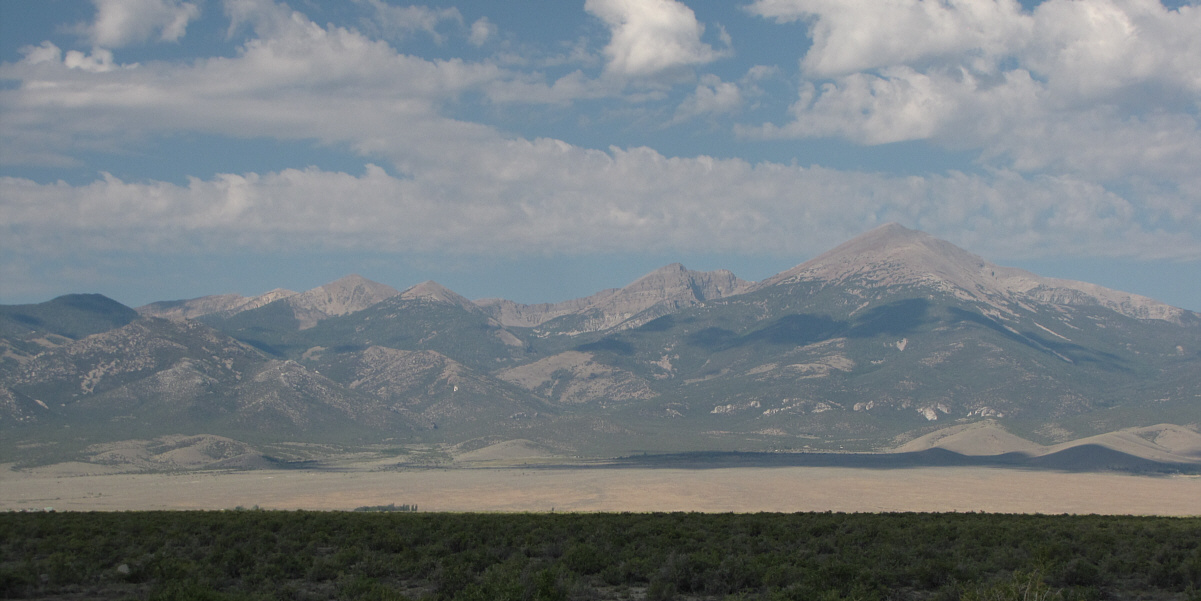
517,488
179,473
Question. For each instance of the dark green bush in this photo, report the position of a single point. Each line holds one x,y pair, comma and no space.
387,555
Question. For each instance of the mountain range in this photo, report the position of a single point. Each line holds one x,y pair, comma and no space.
873,345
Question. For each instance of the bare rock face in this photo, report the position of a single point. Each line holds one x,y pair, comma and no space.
672,284
658,293
16,408
510,313
428,388
340,297
573,378
893,255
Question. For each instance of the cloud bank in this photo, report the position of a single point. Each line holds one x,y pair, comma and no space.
1083,115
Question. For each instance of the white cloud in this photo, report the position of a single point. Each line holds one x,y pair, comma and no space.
1095,49
122,22
481,31
651,36
296,81
458,187
711,97
855,35
398,22
99,61
46,52
525,197
1097,88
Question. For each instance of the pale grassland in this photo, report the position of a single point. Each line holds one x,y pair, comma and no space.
748,489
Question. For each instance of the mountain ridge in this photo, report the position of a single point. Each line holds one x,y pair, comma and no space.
886,337
911,257
663,290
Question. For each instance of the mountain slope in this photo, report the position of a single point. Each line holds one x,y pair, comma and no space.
882,340
658,293
154,374
892,255
896,330
433,391
340,297
26,330
227,304
440,321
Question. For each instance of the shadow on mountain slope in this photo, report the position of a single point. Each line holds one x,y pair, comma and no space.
1083,458
897,318
1064,350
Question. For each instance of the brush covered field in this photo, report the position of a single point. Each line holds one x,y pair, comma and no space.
252,554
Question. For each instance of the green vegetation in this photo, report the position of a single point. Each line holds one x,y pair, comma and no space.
73,316
388,507
407,555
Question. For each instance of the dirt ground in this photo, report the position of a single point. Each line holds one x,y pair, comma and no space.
784,489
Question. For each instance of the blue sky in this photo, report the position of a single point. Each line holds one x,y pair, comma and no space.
543,150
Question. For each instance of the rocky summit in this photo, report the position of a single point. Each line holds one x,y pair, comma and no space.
871,346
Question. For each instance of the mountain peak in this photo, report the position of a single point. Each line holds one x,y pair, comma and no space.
431,290
672,268
894,241
657,293
662,291
676,282
345,295
894,255
353,279
890,254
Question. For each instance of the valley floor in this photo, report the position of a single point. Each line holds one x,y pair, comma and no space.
516,488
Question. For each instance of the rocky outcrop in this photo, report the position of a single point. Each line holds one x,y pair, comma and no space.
228,304
658,293
574,377
340,297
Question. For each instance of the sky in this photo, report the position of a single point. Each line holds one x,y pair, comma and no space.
541,150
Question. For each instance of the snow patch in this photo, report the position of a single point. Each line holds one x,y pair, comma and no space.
1051,332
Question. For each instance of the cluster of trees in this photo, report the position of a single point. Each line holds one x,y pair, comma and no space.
388,507
409,555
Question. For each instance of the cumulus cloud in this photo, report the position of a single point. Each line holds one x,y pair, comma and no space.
296,80
651,36
398,22
855,35
1063,88
122,22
